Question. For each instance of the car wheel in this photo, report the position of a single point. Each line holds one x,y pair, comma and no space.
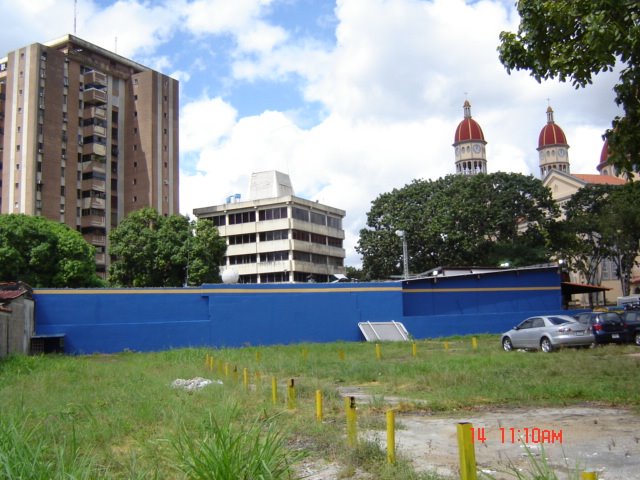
545,345
507,344
636,339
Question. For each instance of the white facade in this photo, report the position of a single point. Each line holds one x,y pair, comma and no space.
281,239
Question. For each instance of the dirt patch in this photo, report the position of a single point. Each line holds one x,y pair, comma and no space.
605,440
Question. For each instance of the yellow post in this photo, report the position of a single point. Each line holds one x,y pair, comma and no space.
245,378
305,352
341,354
474,343
446,345
257,355
226,369
212,362
589,475
378,351
319,412
206,360
466,451
352,434
414,349
391,436
291,395
220,367
235,374
274,390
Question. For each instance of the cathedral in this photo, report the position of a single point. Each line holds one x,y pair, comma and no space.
555,173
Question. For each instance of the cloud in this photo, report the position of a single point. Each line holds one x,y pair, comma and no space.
385,93
392,87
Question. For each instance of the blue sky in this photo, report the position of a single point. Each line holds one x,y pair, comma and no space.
352,98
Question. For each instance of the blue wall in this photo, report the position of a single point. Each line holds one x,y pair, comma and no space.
112,320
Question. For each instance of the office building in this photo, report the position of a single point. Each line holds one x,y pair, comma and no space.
275,236
86,137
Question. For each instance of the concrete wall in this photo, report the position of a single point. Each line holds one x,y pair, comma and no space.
112,320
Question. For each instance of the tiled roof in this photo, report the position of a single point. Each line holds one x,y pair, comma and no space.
599,179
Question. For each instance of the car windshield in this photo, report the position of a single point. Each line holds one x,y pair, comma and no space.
559,321
610,317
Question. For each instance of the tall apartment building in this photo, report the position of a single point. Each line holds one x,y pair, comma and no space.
278,237
86,137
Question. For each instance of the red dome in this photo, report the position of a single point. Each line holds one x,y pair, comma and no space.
551,134
604,156
468,129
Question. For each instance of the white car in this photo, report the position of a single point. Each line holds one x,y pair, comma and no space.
546,333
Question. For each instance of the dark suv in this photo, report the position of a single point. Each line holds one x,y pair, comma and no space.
607,327
631,319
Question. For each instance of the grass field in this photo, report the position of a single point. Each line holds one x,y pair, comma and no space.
116,416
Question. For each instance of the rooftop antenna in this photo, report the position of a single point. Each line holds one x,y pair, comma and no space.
75,15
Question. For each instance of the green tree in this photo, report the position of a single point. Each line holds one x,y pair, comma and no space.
458,220
576,40
578,238
602,222
151,250
621,231
205,253
44,253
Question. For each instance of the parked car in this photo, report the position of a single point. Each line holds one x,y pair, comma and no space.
606,326
631,319
547,333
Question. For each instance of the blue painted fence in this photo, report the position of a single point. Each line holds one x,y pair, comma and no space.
112,320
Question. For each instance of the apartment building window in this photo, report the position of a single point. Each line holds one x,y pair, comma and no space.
276,277
218,220
334,222
318,218
274,235
242,217
62,191
274,256
319,239
334,242
301,256
300,235
242,259
300,214
318,259
272,213
242,239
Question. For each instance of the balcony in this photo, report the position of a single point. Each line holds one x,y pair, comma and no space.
101,259
94,96
99,203
93,221
94,130
95,112
94,184
95,148
95,78
97,240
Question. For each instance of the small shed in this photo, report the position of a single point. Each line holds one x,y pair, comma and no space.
16,318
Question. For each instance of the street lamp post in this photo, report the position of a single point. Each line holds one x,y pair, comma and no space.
405,255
